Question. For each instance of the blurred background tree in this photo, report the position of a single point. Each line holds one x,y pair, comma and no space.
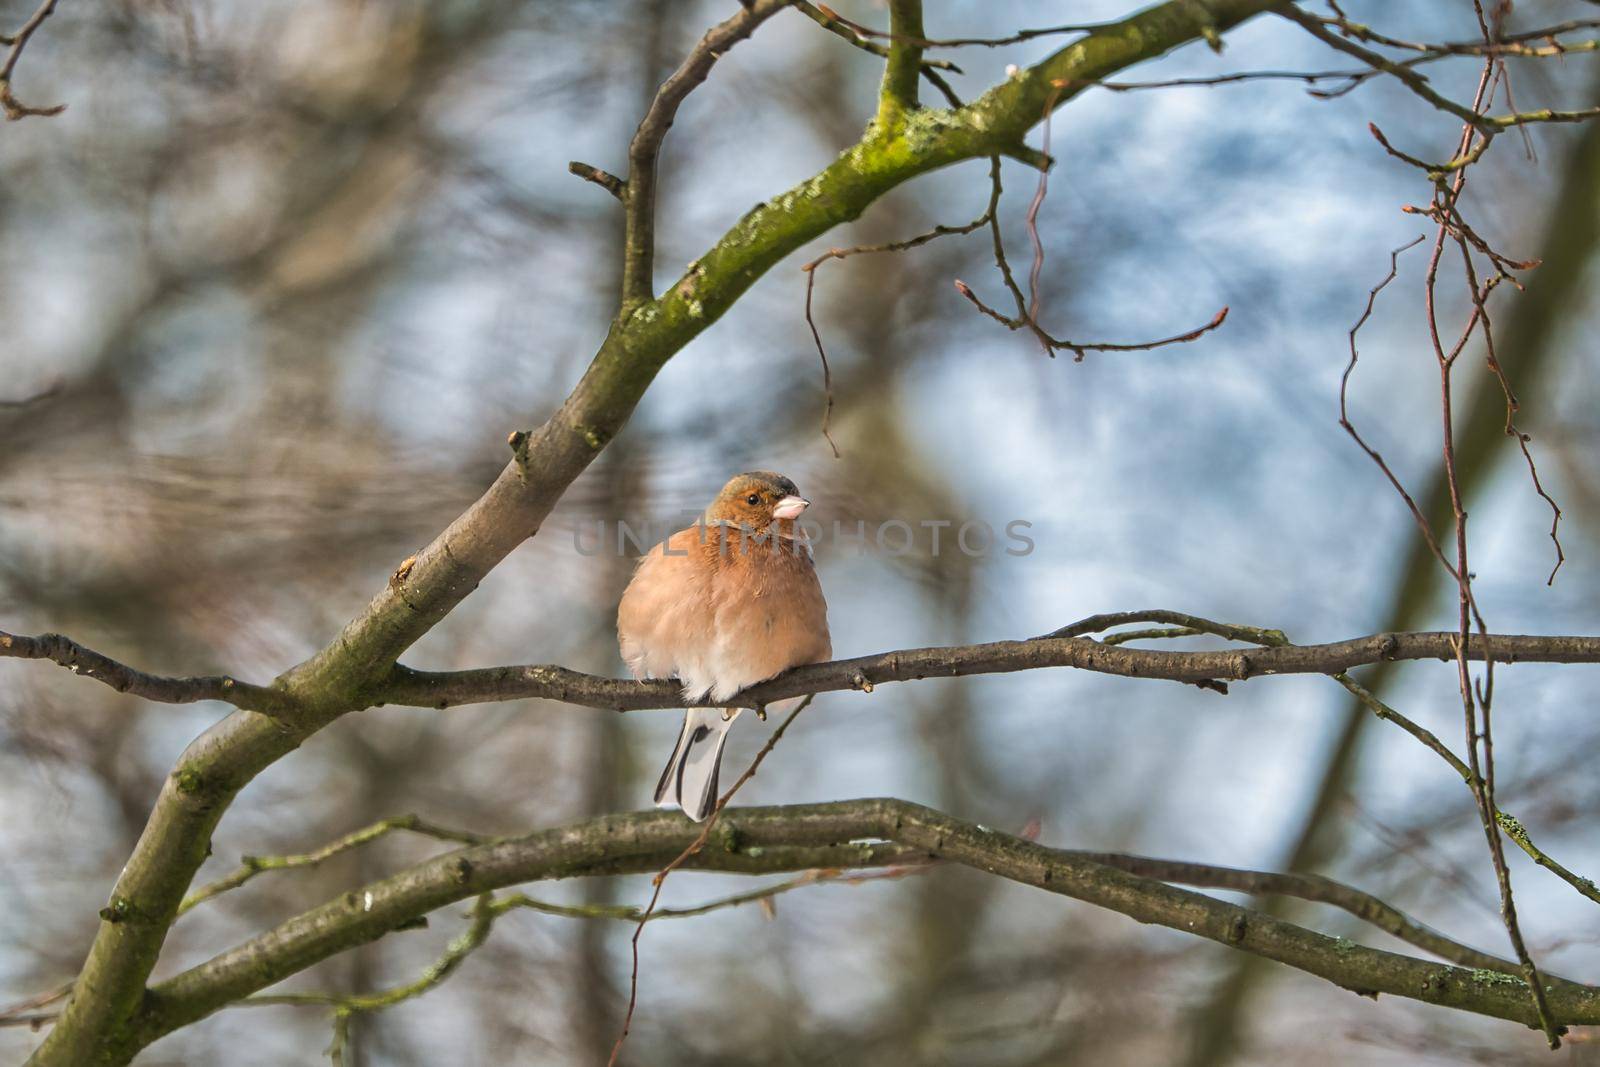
283,275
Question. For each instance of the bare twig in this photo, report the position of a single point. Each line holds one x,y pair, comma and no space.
125,679
810,270
1448,181
1182,625
835,19
1486,125
1423,526
1233,631
13,107
1354,78
604,179
346,1006
640,239
1512,827
1499,45
822,354
1027,316
1081,348
250,866
1418,84
1482,783
683,857
830,21
30,1011
634,914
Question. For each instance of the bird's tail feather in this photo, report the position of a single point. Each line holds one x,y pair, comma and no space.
690,778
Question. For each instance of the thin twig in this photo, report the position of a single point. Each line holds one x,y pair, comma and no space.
1448,181
346,1006
827,371
13,107
1446,198
640,241
604,179
1501,45
124,679
1486,125
1020,36
1513,828
634,914
1027,316
29,1011
810,270
1081,348
1032,217
1418,84
1423,525
1233,631
1182,625
830,21
694,846
250,866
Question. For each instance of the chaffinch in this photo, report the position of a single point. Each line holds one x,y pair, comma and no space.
731,601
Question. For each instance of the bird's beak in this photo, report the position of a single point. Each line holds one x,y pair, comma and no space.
790,507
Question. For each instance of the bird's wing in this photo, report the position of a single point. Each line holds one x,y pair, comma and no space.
664,619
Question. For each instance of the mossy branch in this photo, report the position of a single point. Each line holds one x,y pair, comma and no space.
251,866
860,834
898,96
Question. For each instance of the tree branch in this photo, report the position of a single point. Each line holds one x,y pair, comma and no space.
1066,647
14,108
446,688
604,179
124,679
250,866
1487,125
1414,81
871,833
830,21
639,238
898,96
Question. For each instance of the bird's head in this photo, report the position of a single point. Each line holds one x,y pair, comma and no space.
756,500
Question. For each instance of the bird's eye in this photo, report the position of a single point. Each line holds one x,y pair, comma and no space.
753,499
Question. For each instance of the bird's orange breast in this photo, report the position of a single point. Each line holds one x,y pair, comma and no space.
722,612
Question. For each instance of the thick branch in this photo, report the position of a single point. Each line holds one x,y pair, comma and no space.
866,833
443,689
